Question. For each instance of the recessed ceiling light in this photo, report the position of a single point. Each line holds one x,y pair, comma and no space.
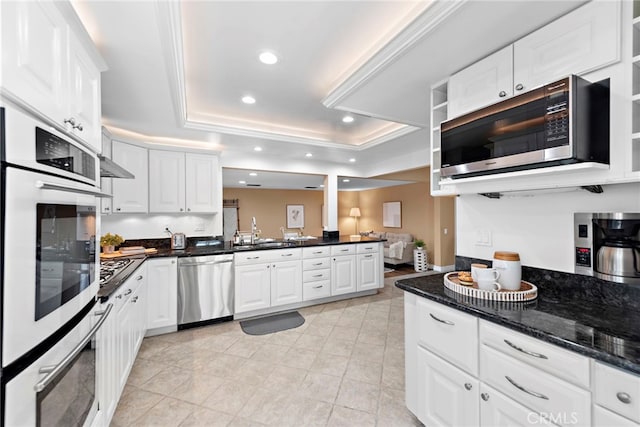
242,182
346,180
352,160
348,119
248,99
257,148
253,174
321,185
268,58
308,155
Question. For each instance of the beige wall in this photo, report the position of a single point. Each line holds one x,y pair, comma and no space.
423,216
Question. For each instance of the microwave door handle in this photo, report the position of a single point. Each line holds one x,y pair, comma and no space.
50,186
53,371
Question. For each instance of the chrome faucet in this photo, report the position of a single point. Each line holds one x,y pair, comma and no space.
253,230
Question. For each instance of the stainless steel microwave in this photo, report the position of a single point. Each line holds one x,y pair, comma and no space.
564,122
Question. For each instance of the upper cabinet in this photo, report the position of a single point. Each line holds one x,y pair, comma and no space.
577,43
130,195
182,182
46,68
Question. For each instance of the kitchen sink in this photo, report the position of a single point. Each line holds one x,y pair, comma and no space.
301,238
274,244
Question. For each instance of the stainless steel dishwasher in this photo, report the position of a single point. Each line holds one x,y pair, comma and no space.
205,289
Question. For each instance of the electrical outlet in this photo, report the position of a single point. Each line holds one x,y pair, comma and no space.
483,237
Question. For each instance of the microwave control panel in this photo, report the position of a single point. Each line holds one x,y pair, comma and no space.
557,117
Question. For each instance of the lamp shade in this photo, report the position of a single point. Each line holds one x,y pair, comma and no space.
355,212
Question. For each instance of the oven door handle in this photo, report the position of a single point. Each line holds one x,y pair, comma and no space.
55,370
50,186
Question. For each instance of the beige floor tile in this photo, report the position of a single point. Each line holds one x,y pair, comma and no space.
372,336
166,413
197,361
338,347
345,417
284,378
368,352
244,347
243,422
314,309
358,395
320,330
222,365
151,346
394,357
393,377
298,358
253,372
365,371
303,411
330,364
230,397
174,353
310,342
287,338
133,405
392,410
265,406
197,388
344,334
351,320
202,417
270,352
143,370
219,343
167,380
320,387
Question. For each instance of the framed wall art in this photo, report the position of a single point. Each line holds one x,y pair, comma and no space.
391,214
295,216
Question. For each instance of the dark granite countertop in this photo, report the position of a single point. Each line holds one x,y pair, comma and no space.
573,320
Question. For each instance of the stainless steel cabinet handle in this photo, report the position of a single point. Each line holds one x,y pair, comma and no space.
502,94
530,353
51,186
286,254
127,292
78,126
119,296
106,208
134,299
532,393
54,371
139,278
181,209
317,275
174,261
188,209
519,86
253,257
318,263
368,256
623,397
484,396
344,250
369,248
318,287
468,386
446,322
118,209
317,253
71,121
191,264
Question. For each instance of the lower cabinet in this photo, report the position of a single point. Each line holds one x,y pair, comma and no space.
162,309
253,287
496,409
343,269
286,282
119,339
368,272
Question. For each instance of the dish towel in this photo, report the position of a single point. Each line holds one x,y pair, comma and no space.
395,250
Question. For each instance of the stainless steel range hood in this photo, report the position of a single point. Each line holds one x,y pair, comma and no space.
110,169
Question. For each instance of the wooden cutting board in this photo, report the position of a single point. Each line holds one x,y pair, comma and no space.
117,254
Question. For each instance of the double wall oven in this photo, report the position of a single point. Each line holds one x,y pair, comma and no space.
50,261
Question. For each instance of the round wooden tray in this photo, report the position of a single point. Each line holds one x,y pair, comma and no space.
527,291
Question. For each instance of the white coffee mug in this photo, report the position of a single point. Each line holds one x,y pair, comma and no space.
475,267
487,279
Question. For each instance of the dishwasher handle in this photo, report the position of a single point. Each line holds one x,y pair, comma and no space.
204,262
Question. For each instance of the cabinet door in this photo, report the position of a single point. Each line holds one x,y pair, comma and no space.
131,195
253,287
124,344
107,367
581,41
343,275
34,49
106,183
485,82
368,271
84,95
497,410
447,396
139,301
286,282
604,418
202,183
162,306
166,181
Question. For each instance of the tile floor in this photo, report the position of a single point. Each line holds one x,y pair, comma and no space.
343,367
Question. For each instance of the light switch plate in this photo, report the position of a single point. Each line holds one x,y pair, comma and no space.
483,237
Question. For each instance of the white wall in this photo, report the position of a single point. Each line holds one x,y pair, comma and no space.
539,227
151,226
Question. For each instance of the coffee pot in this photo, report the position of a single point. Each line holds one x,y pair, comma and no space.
619,259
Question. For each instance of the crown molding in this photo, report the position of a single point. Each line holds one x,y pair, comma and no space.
426,22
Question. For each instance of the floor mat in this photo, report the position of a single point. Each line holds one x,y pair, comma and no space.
271,324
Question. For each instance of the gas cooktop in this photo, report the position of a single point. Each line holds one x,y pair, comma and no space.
114,272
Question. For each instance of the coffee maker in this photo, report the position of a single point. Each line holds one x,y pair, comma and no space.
607,246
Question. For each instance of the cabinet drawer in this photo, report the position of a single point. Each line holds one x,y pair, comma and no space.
365,248
548,357
315,275
617,390
316,264
343,250
316,252
533,387
257,257
449,333
605,418
313,290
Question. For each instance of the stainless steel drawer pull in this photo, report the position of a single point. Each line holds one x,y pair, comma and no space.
344,250
468,386
318,287
530,353
253,257
446,322
368,256
318,263
317,253
484,396
127,292
286,254
317,275
139,278
532,393
623,397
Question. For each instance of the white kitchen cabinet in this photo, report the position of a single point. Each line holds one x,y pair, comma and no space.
252,287
130,195
182,182
581,41
485,82
286,283
49,70
496,409
316,272
107,368
616,390
162,307
370,269
343,269
447,395
604,418
166,181
106,184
